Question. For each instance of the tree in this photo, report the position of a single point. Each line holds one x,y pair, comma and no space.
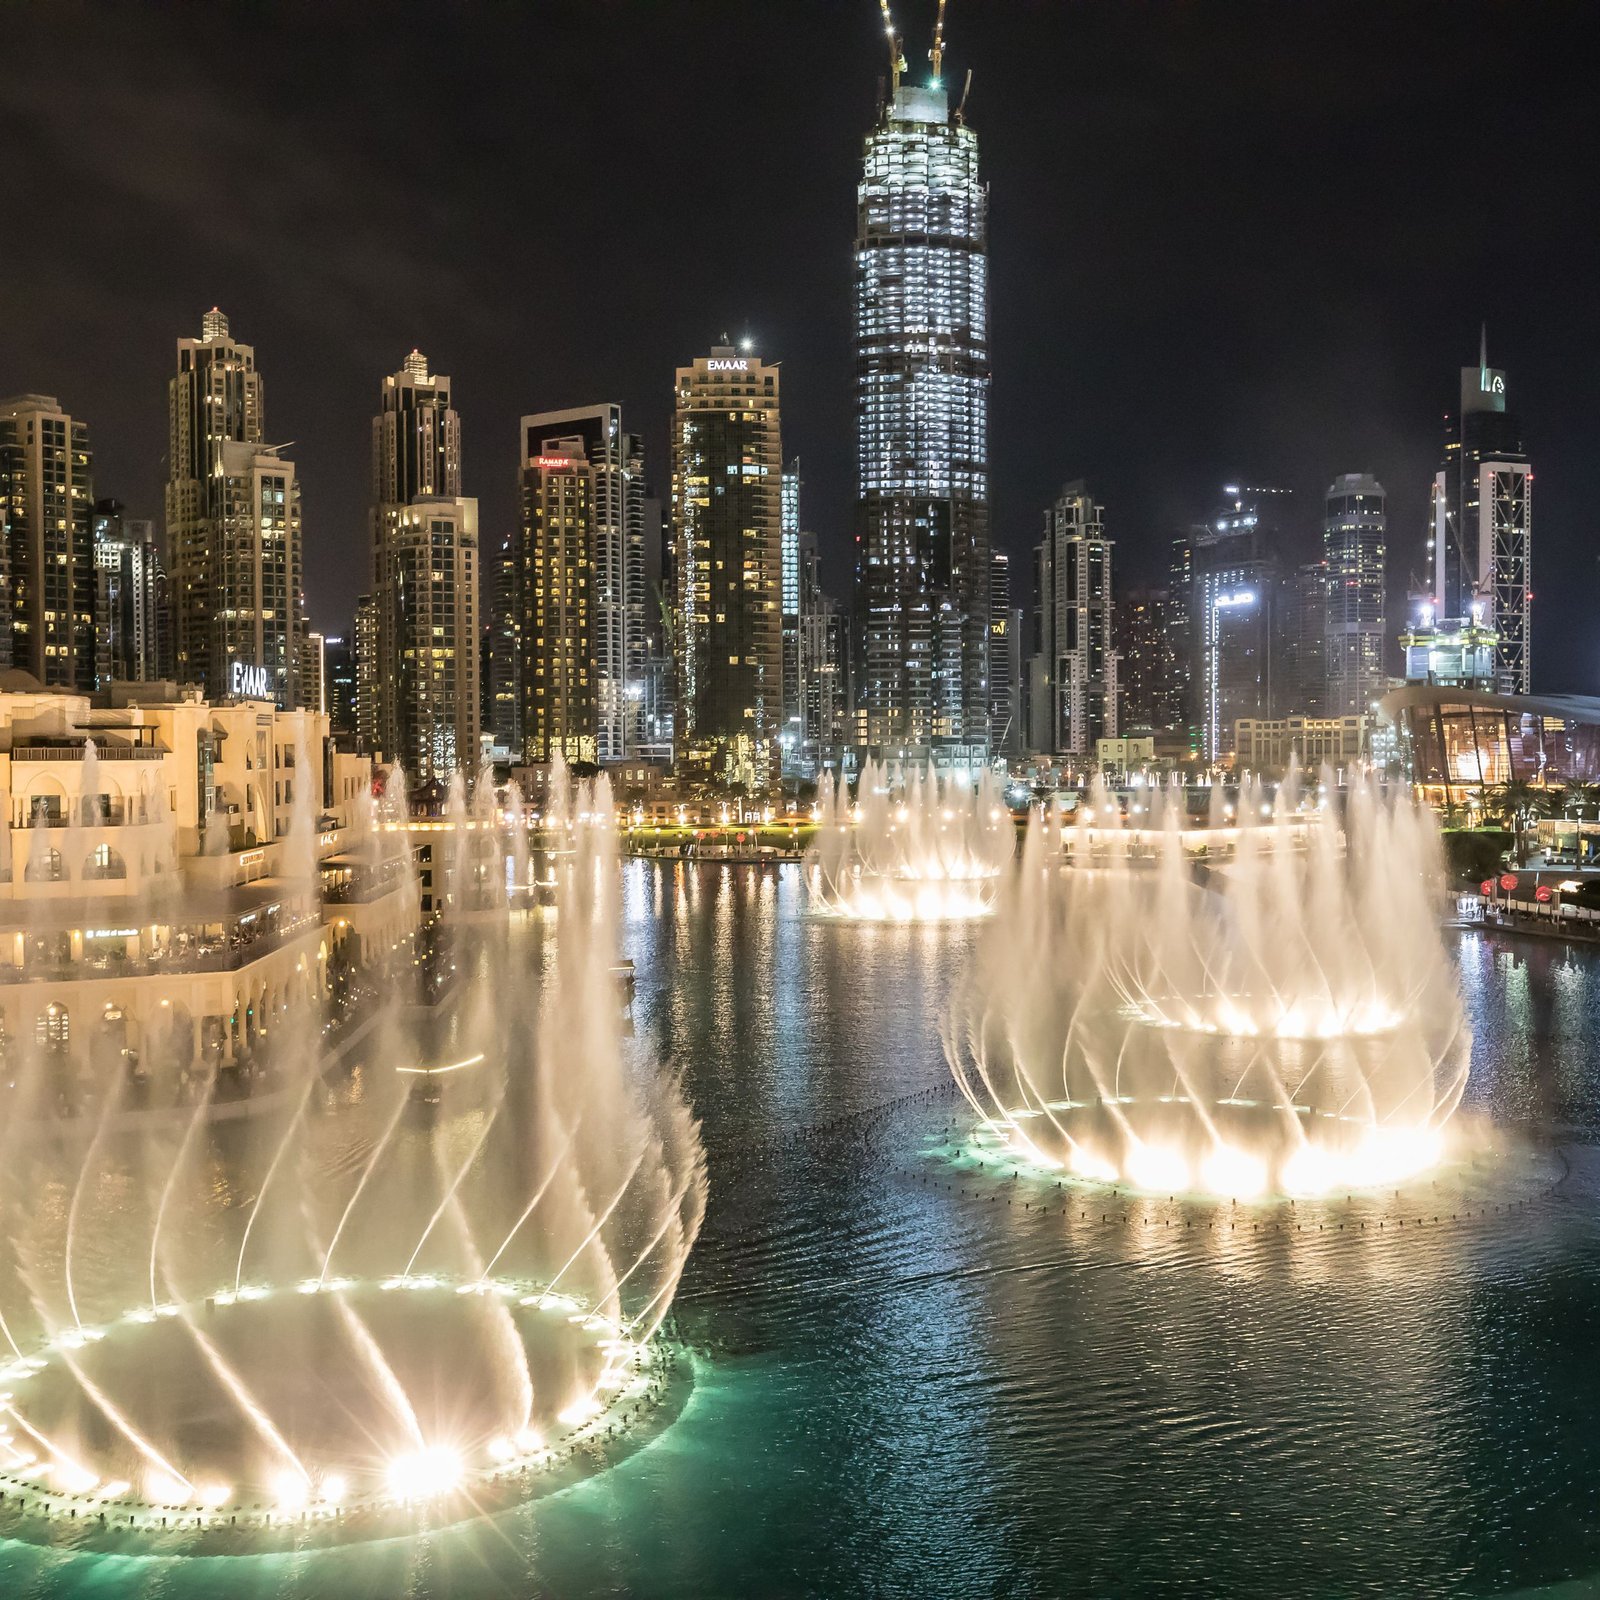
1518,803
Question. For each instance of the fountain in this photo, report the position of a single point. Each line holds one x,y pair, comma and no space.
912,848
1280,1018
375,1306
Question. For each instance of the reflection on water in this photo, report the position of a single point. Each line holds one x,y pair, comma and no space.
918,1379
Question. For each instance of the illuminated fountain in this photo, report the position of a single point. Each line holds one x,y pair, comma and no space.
379,1304
1284,1021
912,847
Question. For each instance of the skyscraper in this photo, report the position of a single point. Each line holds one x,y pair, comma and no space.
727,463
233,525
128,595
424,580
559,448
1073,688
314,671
790,730
922,425
340,659
824,665
1005,661
426,615
366,672
503,716
1482,532
1354,533
1299,680
555,588
47,473
1233,595
1147,677
652,737
615,577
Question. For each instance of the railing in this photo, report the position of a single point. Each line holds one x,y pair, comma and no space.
54,752
368,884
114,816
227,957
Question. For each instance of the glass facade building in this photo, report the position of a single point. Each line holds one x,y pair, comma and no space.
1458,742
922,428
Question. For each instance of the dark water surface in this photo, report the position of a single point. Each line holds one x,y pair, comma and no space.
923,1379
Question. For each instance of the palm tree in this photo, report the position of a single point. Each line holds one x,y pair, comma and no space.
1517,803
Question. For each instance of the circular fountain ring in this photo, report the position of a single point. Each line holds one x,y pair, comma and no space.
1228,1148
325,1496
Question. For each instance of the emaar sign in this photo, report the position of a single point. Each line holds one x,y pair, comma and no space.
727,364
250,683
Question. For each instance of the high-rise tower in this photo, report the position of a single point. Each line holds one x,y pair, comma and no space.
922,423
1073,676
1234,593
46,481
727,469
233,527
591,438
426,700
1482,527
128,595
1353,543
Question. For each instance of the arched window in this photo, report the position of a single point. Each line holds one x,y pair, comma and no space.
104,862
45,866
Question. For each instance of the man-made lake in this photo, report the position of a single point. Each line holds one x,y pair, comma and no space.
920,1377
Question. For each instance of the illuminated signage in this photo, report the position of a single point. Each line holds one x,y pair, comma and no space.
1244,597
554,463
1492,382
250,683
727,364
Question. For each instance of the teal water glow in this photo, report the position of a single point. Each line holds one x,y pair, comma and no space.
908,1384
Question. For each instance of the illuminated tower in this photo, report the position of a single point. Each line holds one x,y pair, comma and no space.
922,424
1482,528
614,603
1073,677
427,705
1353,539
554,583
727,469
47,569
233,525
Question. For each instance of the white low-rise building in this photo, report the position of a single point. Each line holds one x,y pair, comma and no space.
175,876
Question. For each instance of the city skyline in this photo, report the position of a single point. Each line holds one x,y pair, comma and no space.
1291,363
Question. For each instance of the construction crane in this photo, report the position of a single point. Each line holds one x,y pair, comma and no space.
936,55
897,62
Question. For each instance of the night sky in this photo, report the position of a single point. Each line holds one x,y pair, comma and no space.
1228,241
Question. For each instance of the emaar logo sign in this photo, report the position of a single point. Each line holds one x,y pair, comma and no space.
250,683
1492,382
727,364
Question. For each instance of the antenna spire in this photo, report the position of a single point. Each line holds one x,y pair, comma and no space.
1483,347
936,55
897,62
